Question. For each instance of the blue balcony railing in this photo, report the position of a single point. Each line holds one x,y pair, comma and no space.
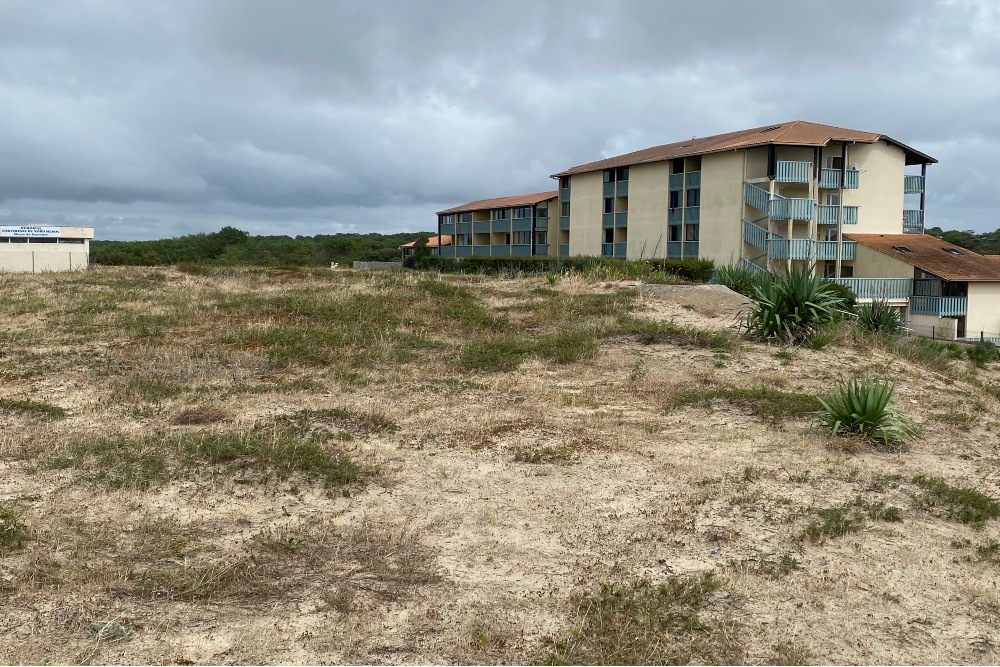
755,235
522,250
827,250
791,209
826,214
564,250
564,223
913,222
676,181
793,172
692,179
747,264
621,219
607,220
621,250
913,185
878,288
830,178
790,248
621,189
609,189
939,306
541,223
563,195
755,196
607,250
541,249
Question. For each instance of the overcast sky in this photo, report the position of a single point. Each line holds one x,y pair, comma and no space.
153,119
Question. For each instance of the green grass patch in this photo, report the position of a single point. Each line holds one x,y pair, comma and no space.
848,517
147,461
13,533
767,565
764,402
354,422
566,454
643,623
506,353
650,332
30,408
959,503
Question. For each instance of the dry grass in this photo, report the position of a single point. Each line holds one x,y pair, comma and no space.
256,466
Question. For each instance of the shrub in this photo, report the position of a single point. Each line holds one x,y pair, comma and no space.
740,279
879,318
862,407
983,353
697,270
791,307
847,296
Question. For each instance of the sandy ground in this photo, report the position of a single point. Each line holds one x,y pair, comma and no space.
647,495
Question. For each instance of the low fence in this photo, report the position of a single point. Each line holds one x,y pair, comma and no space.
377,265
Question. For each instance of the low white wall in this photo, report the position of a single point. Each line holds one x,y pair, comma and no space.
941,328
33,261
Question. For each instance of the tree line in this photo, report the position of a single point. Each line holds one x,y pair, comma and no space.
987,243
233,247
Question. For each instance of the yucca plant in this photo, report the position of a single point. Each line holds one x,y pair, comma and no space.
791,307
861,406
739,278
878,317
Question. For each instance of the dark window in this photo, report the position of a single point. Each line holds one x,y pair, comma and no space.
609,236
543,211
465,217
506,239
694,197
541,238
675,199
846,271
564,209
609,175
677,166
609,205
621,174
675,233
522,238
71,240
564,182
501,213
691,233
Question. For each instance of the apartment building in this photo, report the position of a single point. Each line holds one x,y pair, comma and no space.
504,226
768,197
434,245
36,248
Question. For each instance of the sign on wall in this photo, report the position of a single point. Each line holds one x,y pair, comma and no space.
35,231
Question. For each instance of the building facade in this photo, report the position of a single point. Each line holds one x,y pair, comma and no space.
37,248
503,227
434,245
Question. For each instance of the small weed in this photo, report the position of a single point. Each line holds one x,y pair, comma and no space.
785,356
561,454
13,533
767,565
752,473
883,481
201,414
959,503
960,418
772,405
349,422
32,408
650,332
790,653
848,518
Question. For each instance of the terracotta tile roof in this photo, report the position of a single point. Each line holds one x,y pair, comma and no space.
502,202
929,254
794,133
432,242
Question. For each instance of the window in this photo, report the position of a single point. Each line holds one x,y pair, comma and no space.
542,211
953,251
564,209
609,175
522,212
621,174
541,238
465,239
675,233
677,166
694,197
833,199
846,271
609,205
831,234
447,219
675,199
834,162
465,217
691,232
902,248
609,236
501,213
71,240
564,182
522,238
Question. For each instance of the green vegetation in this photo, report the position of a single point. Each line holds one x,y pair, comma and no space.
740,279
13,533
658,331
767,565
506,352
32,408
983,353
772,405
879,318
987,243
643,623
233,247
564,454
861,406
790,308
960,503
146,461
848,517
649,270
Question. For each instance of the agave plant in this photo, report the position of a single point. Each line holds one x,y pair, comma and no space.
740,279
861,406
791,307
878,317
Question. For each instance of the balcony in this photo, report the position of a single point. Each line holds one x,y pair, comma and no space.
747,264
621,219
463,250
621,250
541,249
674,249
878,288
564,223
790,248
692,214
755,235
520,250
621,189
830,178
755,196
564,250
614,250
791,209
563,195
793,172
692,179
690,250
609,189
676,181
541,223
827,215
939,306
483,227
448,228
913,222
608,220
485,250
827,250
520,225
464,228
913,185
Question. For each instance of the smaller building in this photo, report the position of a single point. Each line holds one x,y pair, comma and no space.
36,248
434,244
504,226
945,291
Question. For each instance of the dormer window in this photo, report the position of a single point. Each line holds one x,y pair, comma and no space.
953,251
902,248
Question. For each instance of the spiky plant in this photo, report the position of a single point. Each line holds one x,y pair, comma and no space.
861,406
791,307
878,317
739,278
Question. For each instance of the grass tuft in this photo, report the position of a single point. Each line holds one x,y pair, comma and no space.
772,405
848,518
958,503
13,533
30,408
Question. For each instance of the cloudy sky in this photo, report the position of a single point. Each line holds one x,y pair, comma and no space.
153,119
